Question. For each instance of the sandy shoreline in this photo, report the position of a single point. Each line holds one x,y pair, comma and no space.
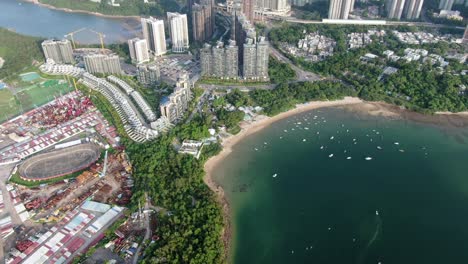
248,129
79,11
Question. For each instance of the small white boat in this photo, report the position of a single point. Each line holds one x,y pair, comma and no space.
348,158
321,147
318,133
368,158
396,143
376,212
330,156
379,147
256,149
299,123
332,137
285,131
265,143
281,137
274,175
354,139
347,130
306,128
304,140
292,129
401,150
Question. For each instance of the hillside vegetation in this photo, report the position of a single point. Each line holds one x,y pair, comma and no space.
18,51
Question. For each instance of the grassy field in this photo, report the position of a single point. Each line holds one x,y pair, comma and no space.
25,96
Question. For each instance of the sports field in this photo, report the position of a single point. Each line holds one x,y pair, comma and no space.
59,162
30,94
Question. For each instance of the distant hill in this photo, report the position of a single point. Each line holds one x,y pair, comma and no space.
125,8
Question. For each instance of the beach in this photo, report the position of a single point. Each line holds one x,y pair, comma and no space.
37,2
249,128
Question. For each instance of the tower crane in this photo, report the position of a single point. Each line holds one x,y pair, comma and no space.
101,37
71,36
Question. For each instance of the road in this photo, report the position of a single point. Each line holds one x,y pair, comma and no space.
368,22
301,75
9,209
148,229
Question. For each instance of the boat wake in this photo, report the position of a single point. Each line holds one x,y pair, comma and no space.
378,230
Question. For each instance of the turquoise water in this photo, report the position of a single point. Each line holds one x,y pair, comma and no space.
30,19
321,209
29,77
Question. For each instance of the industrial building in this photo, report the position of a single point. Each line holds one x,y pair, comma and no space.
138,50
60,51
101,63
148,74
153,32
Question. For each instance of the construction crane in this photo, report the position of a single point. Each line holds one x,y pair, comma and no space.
101,38
71,36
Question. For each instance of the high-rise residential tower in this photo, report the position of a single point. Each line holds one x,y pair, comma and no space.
395,8
248,9
202,21
339,9
100,63
413,9
58,50
153,32
178,29
138,50
446,4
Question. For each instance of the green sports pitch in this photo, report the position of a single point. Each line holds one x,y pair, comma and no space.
27,95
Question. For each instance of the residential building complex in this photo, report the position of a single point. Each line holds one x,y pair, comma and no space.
220,61
339,9
101,63
153,32
178,29
174,106
148,74
138,50
253,55
409,9
60,51
202,21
